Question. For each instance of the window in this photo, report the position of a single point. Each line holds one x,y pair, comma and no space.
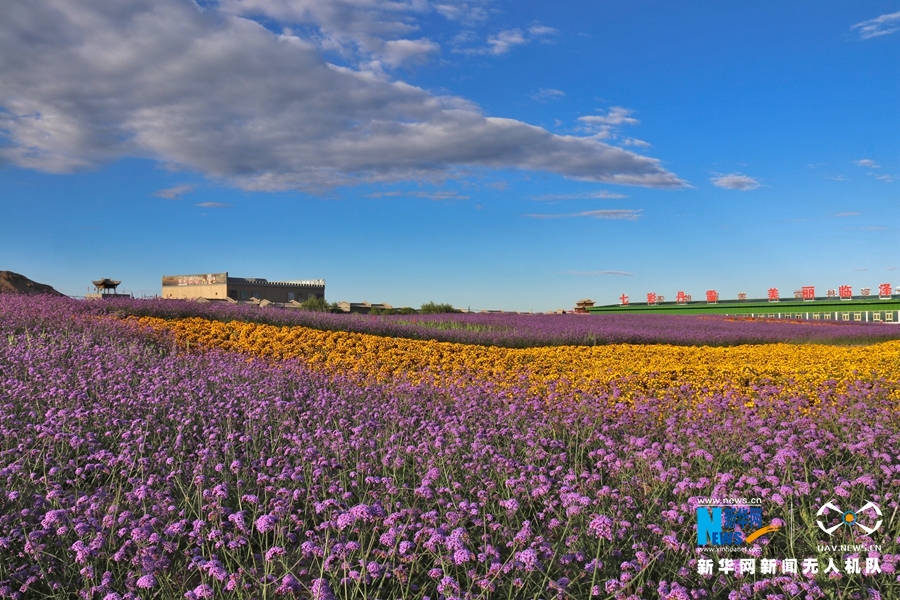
290,296
845,316
857,316
244,295
876,316
889,316
254,294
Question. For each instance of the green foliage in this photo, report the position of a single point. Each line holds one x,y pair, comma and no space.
430,308
317,304
406,310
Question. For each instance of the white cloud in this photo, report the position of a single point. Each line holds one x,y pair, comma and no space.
636,142
882,25
398,52
592,273
469,13
213,205
616,213
545,94
606,126
847,214
885,178
175,192
866,162
432,195
735,181
617,115
214,92
350,27
503,41
541,30
602,195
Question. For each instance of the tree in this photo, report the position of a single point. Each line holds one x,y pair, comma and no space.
430,308
316,304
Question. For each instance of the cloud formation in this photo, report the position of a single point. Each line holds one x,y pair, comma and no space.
175,192
212,90
545,94
883,25
606,126
213,205
636,142
867,162
602,195
625,214
504,41
735,181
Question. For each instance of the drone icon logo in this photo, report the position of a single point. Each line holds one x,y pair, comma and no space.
849,518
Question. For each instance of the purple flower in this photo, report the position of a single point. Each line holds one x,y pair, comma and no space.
321,590
266,523
289,585
529,559
602,527
146,582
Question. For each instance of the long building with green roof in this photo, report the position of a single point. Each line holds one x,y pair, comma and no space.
869,309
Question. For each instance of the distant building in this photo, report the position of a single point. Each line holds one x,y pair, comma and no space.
219,286
583,306
361,307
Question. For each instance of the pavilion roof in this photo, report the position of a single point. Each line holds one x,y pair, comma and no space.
106,283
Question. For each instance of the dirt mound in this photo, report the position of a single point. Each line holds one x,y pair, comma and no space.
13,283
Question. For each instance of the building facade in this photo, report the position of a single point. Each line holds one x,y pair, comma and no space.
219,286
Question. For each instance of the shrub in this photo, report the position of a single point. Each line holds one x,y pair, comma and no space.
430,308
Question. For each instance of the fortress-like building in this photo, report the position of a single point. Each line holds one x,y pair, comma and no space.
219,286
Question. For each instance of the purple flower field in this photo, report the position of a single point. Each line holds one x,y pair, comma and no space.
131,469
507,329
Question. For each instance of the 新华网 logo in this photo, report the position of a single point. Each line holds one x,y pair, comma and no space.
730,525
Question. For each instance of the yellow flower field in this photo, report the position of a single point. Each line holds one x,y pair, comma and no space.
621,369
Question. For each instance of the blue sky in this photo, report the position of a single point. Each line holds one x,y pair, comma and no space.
487,153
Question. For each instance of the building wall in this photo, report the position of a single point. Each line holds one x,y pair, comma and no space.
189,287
274,292
215,291
219,286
